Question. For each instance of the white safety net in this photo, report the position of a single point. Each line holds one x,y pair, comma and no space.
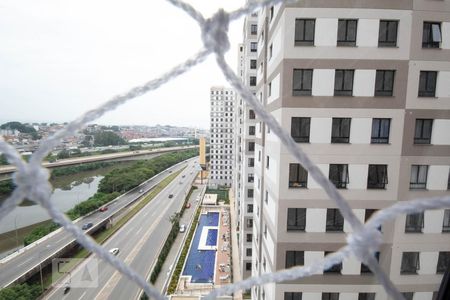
32,183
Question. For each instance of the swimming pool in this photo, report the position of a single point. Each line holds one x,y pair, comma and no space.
200,264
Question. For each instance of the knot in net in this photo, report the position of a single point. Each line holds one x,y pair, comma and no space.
215,32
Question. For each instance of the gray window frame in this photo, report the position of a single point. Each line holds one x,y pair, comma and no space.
300,129
301,35
427,84
387,33
302,82
296,219
384,83
343,84
422,131
347,39
298,176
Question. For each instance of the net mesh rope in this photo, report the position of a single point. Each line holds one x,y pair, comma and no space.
31,178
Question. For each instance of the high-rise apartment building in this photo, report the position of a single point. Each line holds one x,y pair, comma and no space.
363,87
221,136
245,132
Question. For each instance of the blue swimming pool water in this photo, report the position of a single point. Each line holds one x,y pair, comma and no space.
200,263
211,238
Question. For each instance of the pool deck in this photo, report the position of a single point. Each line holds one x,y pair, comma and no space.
223,254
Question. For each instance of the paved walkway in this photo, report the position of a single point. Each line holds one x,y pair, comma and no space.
234,244
223,259
162,281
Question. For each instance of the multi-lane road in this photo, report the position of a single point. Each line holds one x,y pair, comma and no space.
139,242
13,268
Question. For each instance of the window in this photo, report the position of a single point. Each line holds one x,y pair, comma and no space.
271,13
378,177
368,214
347,32
252,64
431,37
304,32
248,266
340,130
251,114
250,208
380,131
335,268
249,237
384,83
300,128
408,295
410,263
294,258
446,223
422,132
251,162
365,269
251,178
298,176
252,80
270,51
253,47
270,89
339,175
266,198
343,82
443,262
330,296
296,219
251,146
302,82
250,193
251,130
387,35
253,29
267,162
418,178
335,221
248,251
249,223
292,296
427,83
366,296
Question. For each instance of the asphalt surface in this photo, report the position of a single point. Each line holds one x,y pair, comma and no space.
139,241
20,264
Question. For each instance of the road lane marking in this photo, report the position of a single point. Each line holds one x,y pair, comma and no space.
137,232
114,279
82,295
25,261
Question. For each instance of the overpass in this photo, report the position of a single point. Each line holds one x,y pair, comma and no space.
6,171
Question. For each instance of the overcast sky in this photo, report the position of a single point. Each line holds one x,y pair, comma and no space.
61,58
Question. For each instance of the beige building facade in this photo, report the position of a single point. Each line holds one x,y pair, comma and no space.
364,88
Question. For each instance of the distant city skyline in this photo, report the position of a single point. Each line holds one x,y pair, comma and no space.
59,61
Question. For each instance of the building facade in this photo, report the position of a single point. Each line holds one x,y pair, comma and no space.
221,137
363,87
245,134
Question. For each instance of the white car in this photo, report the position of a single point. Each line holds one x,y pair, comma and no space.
182,228
114,251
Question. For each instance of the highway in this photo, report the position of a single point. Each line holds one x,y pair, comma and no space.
102,157
13,268
139,242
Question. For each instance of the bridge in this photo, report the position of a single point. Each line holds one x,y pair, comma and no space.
6,171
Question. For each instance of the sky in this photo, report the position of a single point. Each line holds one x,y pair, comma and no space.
59,59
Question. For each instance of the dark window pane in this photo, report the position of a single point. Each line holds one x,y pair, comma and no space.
431,36
410,263
292,296
443,262
335,221
300,128
418,177
343,82
296,219
302,82
339,175
298,176
377,178
427,83
347,30
294,258
414,223
384,83
380,131
340,130
446,223
387,36
422,132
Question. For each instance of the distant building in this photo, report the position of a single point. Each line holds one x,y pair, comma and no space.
221,141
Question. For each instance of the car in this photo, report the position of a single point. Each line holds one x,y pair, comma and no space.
183,176
103,208
188,205
170,195
87,226
141,190
114,251
182,228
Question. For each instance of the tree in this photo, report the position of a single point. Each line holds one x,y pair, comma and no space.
18,126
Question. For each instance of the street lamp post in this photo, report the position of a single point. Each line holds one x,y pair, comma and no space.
40,268
17,234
